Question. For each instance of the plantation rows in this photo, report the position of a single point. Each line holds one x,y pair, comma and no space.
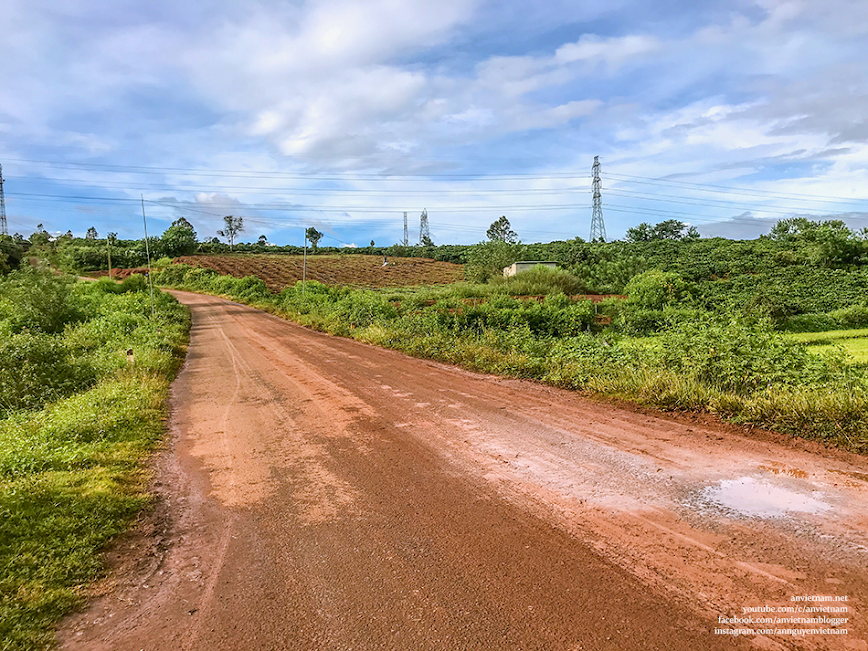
357,270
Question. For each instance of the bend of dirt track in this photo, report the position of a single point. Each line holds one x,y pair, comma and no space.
318,493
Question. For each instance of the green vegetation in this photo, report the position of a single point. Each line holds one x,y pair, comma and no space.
661,347
78,416
854,343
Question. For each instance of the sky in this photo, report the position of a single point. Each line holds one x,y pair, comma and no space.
343,114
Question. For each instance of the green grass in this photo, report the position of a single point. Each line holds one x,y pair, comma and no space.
828,336
73,470
853,342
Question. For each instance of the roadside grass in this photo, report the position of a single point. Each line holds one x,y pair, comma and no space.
72,470
739,368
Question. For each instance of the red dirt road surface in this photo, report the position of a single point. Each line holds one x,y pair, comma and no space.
319,493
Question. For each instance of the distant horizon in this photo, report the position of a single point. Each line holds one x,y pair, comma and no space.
412,244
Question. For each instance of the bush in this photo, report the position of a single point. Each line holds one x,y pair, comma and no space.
855,316
36,369
487,260
655,289
541,281
37,301
742,357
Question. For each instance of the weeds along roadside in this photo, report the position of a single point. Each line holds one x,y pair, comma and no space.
736,367
79,415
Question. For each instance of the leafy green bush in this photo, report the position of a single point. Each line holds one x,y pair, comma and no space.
655,289
809,323
540,281
37,301
488,259
854,316
740,356
36,369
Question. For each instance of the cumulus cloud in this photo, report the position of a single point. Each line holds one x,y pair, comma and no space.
768,95
330,81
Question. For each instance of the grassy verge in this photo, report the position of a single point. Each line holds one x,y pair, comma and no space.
73,447
738,368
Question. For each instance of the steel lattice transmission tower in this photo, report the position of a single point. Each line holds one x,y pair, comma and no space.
424,233
3,229
598,228
406,232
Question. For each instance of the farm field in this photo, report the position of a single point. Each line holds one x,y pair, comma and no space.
279,271
854,342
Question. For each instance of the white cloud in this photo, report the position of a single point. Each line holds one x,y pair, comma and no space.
612,51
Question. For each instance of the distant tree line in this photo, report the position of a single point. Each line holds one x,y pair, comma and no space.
801,266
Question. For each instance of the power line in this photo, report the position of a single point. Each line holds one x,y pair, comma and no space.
733,190
659,212
287,175
709,203
308,208
283,189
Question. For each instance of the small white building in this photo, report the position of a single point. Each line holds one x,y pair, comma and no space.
524,265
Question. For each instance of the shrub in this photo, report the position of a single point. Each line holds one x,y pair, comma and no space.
135,283
541,281
36,369
655,289
855,316
809,323
488,259
741,357
37,301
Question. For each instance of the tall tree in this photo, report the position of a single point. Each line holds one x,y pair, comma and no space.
179,239
671,229
313,236
644,232
501,231
233,226
91,234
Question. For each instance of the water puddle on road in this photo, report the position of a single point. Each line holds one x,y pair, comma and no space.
761,499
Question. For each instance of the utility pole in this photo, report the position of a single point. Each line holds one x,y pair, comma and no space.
148,253
108,246
598,228
406,232
3,229
424,233
304,264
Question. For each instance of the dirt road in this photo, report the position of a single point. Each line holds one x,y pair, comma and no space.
323,494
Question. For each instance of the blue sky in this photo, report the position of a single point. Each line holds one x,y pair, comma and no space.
344,114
